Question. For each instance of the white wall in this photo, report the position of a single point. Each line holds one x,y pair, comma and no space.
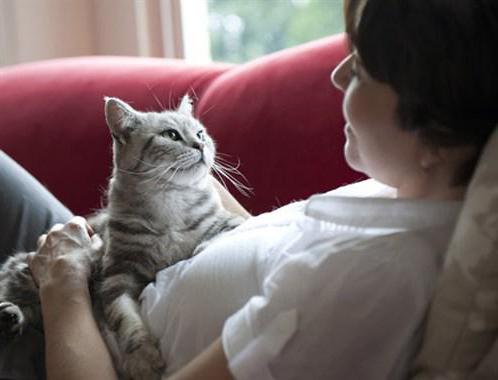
33,30
114,27
45,29
7,38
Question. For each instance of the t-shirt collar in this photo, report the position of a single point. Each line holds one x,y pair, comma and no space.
379,212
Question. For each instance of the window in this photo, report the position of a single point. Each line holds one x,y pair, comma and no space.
241,30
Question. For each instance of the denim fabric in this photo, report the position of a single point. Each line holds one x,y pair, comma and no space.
27,210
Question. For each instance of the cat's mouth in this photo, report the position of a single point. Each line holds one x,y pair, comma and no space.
190,160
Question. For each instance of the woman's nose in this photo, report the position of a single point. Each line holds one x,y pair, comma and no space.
340,75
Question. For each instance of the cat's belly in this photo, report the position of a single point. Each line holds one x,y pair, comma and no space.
189,302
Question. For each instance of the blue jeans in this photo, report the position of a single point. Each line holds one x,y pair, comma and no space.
27,210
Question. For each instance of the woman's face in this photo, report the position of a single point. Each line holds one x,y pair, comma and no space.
375,143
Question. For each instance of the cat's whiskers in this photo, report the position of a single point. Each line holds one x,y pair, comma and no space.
229,167
152,168
161,175
137,173
219,157
173,175
147,172
221,174
153,165
224,170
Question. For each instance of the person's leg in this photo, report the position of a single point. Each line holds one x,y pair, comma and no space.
27,210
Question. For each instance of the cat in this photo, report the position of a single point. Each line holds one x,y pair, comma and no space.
162,207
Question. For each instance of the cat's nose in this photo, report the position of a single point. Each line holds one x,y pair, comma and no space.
198,145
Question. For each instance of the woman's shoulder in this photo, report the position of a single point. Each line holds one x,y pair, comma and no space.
366,188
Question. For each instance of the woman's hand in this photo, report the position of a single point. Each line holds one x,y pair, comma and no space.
74,347
64,256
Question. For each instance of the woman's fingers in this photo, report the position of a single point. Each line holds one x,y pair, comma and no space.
63,254
76,224
56,227
32,257
41,240
75,231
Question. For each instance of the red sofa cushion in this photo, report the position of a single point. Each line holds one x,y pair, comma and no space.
279,115
53,122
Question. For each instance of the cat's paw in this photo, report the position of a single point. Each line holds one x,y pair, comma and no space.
144,362
11,320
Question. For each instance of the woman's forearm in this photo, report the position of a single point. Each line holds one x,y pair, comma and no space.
211,364
74,347
229,202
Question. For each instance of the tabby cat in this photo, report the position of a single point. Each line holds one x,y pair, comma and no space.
162,207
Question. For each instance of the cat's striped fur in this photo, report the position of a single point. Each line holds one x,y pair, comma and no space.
161,206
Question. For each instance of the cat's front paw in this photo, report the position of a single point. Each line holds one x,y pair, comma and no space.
144,361
11,320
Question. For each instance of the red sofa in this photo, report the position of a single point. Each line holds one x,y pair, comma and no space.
279,115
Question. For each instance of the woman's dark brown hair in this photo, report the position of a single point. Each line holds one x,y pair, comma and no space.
441,58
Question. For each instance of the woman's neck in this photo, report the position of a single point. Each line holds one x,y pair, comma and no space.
438,188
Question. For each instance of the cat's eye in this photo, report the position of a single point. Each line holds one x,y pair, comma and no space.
172,134
200,135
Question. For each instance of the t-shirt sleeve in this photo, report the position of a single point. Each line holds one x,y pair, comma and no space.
335,316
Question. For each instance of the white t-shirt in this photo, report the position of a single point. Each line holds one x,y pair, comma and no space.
335,287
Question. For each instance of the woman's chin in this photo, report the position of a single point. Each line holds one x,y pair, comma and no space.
352,158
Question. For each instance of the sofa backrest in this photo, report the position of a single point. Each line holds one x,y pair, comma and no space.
281,116
278,115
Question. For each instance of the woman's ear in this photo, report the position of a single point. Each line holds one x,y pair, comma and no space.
449,158
431,157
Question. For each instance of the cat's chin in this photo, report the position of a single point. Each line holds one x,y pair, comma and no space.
191,175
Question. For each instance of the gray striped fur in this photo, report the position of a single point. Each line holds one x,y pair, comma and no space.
19,303
161,205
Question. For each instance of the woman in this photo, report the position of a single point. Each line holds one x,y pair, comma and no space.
336,286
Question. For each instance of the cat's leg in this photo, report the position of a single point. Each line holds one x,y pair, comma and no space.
16,318
19,301
11,320
140,355
21,337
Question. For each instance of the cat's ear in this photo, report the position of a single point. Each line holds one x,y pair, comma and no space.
186,106
121,118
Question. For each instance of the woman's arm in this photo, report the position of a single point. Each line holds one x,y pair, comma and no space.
211,364
229,202
74,348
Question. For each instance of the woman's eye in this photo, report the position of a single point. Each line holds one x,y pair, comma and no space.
172,134
200,135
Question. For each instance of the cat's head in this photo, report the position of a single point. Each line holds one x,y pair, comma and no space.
168,146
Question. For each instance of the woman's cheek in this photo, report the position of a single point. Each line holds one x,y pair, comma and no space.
351,151
352,106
